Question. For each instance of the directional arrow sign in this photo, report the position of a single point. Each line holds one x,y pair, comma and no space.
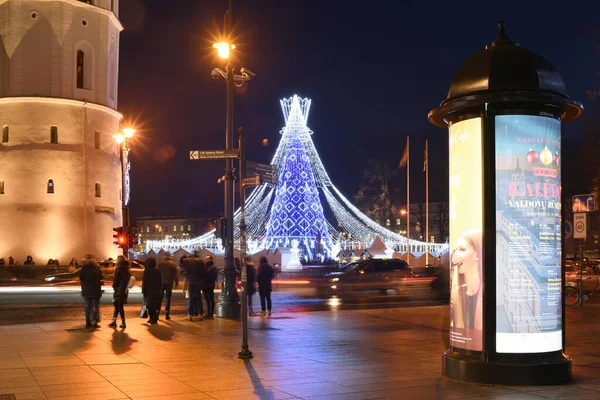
213,154
584,203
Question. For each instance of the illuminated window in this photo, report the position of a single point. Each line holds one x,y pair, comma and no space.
174,228
181,228
98,190
54,134
1,187
5,134
147,229
50,186
80,69
97,139
387,222
189,228
398,221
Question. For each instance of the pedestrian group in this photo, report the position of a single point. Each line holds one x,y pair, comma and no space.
158,283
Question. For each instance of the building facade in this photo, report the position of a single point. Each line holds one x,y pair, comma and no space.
60,173
170,226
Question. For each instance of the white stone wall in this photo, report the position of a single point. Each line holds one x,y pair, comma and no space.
38,44
40,40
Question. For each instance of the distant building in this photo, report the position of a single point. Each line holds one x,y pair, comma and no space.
438,222
171,226
60,174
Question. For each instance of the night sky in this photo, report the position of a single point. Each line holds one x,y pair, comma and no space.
373,71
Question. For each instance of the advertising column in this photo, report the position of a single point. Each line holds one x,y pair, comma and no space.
466,221
528,238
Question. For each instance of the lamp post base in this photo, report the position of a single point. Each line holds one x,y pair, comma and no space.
526,369
245,354
228,309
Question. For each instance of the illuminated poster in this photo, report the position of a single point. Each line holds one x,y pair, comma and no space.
466,221
528,235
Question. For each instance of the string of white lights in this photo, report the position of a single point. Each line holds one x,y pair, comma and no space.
358,230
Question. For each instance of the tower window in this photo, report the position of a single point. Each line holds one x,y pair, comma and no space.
1,187
98,189
97,139
50,186
80,67
54,134
5,134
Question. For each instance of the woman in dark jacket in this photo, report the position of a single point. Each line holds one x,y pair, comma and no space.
152,289
264,278
120,287
90,277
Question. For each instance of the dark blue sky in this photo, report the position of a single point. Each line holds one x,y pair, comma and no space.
373,71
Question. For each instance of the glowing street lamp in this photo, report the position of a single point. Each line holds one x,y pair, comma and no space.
228,305
223,49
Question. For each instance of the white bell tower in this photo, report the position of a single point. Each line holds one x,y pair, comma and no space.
60,175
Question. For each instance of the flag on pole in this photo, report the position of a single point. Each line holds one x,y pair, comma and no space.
404,158
425,158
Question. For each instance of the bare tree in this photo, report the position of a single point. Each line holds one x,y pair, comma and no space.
377,193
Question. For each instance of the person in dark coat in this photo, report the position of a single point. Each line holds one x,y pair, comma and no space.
121,289
90,277
194,275
208,286
265,278
152,289
169,278
251,283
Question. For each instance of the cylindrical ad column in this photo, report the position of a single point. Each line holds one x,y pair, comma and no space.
504,114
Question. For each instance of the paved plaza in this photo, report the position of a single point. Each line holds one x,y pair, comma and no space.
366,354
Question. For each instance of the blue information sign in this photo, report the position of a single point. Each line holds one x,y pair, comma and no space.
584,203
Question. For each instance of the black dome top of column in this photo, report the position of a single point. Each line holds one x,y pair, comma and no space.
504,72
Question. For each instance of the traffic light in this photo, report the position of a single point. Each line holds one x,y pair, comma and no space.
220,228
119,237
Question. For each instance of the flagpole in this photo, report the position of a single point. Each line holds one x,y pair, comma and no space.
408,200
426,203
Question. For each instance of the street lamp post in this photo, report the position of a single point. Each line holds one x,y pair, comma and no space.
121,138
228,306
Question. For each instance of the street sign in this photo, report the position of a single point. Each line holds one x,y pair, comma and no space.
580,226
213,154
252,181
568,229
261,168
584,203
267,172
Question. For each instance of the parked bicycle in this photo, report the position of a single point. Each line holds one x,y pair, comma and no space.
572,290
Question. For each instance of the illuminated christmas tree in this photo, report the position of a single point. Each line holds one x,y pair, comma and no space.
297,212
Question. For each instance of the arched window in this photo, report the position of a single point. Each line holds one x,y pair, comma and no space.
54,134
50,186
5,134
98,190
80,69
1,187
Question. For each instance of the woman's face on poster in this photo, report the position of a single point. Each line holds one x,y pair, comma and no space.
465,256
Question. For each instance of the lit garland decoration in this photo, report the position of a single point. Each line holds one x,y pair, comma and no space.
295,208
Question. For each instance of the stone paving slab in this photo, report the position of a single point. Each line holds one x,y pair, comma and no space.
366,354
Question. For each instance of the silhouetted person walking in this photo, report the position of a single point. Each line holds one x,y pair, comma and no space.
265,278
90,277
251,283
168,275
194,276
152,289
208,286
120,287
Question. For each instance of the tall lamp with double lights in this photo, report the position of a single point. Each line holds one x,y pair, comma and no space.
122,139
228,306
